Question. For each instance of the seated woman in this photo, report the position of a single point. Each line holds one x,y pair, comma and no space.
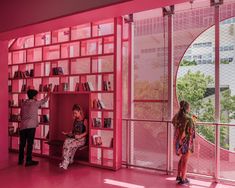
76,138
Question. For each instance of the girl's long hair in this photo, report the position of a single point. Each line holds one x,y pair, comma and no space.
184,105
78,108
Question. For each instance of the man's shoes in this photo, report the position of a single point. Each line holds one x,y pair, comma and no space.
185,181
20,162
178,178
31,163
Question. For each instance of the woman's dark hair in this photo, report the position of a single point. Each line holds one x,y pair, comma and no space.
184,105
78,108
32,93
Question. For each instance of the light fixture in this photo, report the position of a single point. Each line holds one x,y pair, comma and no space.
168,10
129,18
216,2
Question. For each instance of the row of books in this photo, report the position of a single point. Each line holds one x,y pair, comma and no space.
61,87
23,74
97,122
84,86
11,103
45,88
14,117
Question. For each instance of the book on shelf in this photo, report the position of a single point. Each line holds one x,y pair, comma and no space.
45,88
101,104
78,86
10,103
31,73
23,88
26,73
20,102
85,86
89,86
111,143
44,119
37,145
106,85
107,122
40,89
57,71
98,104
56,88
9,88
64,87
23,74
14,117
96,122
97,140
11,130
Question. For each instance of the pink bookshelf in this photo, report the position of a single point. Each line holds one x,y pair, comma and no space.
82,64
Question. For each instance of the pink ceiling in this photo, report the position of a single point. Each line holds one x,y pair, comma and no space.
24,17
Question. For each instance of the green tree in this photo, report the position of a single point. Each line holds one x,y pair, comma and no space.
188,63
192,87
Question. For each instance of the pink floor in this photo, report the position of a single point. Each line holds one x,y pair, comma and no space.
47,174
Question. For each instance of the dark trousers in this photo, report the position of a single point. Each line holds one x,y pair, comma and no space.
26,135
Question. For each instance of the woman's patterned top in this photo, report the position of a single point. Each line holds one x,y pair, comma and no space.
184,134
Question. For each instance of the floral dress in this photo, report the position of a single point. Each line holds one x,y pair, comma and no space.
71,144
184,134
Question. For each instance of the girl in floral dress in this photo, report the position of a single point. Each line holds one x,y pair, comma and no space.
76,138
184,139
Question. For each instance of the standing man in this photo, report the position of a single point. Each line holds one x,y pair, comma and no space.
29,122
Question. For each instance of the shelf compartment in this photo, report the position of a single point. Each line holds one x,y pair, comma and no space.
70,50
104,27
96,156
34,54
19,57
107,158
80,66
81,31
51,52
23,42
91,47
42,39
61,35
101,138
103,64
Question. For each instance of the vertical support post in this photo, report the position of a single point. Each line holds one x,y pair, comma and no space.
131,90
4,100
169,11
217,92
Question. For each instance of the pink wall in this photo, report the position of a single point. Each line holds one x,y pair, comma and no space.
19,15
3,100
